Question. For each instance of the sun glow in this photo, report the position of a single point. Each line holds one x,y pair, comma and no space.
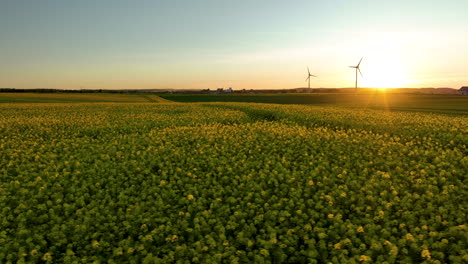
383,76
384,65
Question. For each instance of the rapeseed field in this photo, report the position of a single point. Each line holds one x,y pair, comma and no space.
230,183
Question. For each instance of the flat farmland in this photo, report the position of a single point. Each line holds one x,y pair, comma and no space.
453,104
75,98
142,179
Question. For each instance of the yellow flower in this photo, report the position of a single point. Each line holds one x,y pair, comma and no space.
95,244
364,258
190,197
393,250
331,215
426,254
47,257
410,237
360,229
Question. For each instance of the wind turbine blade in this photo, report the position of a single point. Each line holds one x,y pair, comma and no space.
308,70
359,62
307,78
353,67
360,71
313,75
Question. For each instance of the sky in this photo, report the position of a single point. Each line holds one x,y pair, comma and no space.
243,44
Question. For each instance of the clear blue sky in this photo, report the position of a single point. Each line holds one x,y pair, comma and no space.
219,43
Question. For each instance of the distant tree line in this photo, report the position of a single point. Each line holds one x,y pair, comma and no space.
50,90
252,91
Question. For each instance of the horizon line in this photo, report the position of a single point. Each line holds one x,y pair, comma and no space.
239,89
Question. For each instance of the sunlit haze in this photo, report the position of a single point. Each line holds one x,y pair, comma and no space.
186,44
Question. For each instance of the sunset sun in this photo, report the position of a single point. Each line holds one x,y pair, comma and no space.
384,65
384,77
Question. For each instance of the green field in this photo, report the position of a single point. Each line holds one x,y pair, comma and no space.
452,104
109,178
76,98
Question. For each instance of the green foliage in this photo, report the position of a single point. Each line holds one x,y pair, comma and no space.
230,182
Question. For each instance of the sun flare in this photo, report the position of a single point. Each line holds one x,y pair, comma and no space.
385,65
384,78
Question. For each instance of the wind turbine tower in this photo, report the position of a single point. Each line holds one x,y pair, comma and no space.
357,69
308,76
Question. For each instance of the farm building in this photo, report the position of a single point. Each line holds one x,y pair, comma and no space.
463,90
221,90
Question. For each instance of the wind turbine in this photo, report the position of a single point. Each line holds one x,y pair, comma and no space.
308,76
357,69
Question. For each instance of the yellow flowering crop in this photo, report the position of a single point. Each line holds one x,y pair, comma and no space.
144,180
